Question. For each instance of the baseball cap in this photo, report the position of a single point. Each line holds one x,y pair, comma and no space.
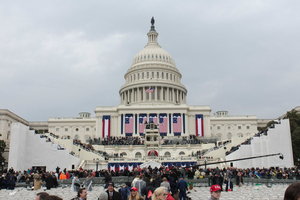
111,183
134,188
214,188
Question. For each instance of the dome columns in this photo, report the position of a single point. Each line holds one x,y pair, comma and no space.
162,94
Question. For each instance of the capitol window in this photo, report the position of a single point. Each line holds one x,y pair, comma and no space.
167,154
181,153
162,75
152,56
239,127
152,75
157,74
134,77
87,129
147,74
170,76
166,75
248,127
57,129
218,127
66,129
138,155
143,75
131,78
76,129
138,76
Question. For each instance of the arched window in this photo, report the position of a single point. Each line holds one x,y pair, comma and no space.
138,155
124,154
167,154
76,137
229,136
181,153
219,136
240,135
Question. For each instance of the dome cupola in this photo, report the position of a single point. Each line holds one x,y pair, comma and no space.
153,67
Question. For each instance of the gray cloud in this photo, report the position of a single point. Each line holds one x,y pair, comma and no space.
58,58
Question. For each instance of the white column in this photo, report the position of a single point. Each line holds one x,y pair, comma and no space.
167,95
173,90
121,97
144,94
155,93
161,93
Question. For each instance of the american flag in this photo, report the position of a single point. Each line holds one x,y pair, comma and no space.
177,124
106,126
163,124
142,120
199,126
129,123
149,90
153,118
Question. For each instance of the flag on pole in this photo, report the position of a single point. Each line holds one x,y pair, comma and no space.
149,90
106,126
163,123
199,126
142,120
177,123
129,124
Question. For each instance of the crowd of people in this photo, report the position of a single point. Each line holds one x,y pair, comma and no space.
121,141
146,180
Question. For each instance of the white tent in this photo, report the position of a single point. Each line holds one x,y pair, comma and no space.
150,163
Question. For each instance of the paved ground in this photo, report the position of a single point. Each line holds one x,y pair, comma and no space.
260,192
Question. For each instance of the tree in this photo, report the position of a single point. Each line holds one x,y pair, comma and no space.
2,148
294,118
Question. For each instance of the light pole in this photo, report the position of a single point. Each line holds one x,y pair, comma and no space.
97,161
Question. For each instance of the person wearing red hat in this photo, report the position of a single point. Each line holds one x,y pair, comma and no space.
134,194
215,192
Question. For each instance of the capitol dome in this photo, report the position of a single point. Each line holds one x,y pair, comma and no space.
152,68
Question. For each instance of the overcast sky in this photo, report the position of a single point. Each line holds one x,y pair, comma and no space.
59,58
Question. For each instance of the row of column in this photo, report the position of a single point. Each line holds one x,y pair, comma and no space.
164,94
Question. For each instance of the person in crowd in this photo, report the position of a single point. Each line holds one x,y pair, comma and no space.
103,196
161,193
88,182
112,194
81,194
173,185
292,192
107,178
140,184
148,191
134,194
165,183
37,183
11,184
229,184
49,181
239,179
157,180
41,196
125,191
215,192
137,177
182,187
197,174
75,184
